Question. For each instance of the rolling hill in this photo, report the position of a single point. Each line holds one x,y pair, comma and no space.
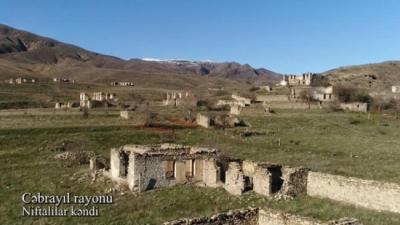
23,52
377,77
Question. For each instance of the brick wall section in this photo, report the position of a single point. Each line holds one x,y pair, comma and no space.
364,193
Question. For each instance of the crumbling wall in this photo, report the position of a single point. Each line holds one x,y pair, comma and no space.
234,179
272,98
149,173
203,120
235,110
354,106
255,216
249,167
210,173
262,181
114,163
365,193
125,114
272,217
238,217
294,181
242,100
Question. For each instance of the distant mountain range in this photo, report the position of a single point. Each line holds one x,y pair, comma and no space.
26,53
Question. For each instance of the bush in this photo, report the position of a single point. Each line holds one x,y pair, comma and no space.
252,89
85,113
352,94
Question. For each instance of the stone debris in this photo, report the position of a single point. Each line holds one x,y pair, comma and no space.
82,157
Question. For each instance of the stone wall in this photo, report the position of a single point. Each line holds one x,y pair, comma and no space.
295,181
354,106
243,100
234,179
148,173
365,193
262,181
203,120
237,217
293,105
272,98
255,216
210,173
249,167
125,114
235,110
272,217
114,163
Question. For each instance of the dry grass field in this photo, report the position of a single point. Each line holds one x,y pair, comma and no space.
334,142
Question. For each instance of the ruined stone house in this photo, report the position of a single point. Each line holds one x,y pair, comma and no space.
235,110
265,179
21,80
97,99
321,94
123,83
224,102
63,80
306,79
67,105
144,167
175,98
147,167
208,120
266,88
396,89
204,120
243,100
126,114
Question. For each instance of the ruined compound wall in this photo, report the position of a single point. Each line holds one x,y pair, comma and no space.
272,98
234,179
238,217
293,105
364,193
210,173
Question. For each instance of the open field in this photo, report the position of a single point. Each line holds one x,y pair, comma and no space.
334,142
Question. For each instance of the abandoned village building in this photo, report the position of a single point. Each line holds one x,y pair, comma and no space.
144,167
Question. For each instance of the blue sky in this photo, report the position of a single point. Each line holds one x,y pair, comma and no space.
285,36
